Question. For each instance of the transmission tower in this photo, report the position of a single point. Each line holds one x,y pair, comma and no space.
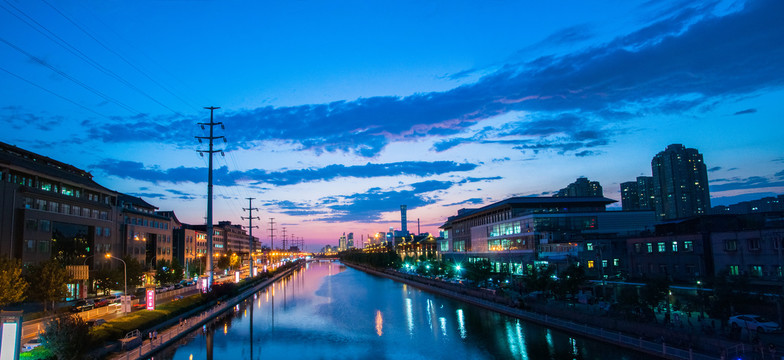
209,152
250,227
272,233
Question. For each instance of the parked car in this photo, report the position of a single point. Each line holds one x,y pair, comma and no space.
753,322
83,305
103,302
32,344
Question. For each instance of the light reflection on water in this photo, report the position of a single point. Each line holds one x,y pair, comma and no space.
327,311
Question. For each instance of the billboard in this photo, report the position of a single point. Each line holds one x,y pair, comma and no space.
151,299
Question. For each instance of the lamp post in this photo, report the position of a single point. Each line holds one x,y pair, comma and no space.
125,271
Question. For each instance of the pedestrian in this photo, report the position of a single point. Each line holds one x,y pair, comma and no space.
155,334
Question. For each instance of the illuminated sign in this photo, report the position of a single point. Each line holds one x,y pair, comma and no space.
10,335
150,299
236,276
255,271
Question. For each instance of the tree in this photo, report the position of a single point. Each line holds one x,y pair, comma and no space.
106,280
67,336
168,272
12,284
223,262
655,291
235,261
478,271
539,279
570,279
135,271
48,282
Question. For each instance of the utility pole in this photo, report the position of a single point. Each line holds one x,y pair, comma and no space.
250,231
211,151
272,233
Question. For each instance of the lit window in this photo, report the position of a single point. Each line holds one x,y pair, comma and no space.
604,263
662,247
589,246
674,246
688,246
650,247
590,264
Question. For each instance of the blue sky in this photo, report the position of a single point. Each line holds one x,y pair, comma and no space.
336,113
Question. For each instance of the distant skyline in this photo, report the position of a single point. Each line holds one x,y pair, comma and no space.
337,113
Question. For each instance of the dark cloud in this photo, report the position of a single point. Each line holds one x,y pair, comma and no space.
473,179
149,195
585,153
681,61
183,195
715,168
730,200
222,176
780,174
753,182
472,201
747,111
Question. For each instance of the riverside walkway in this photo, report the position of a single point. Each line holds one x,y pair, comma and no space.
185,324
619,338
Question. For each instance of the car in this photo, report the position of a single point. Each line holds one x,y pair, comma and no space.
32,344
177,297
160,289
753,322
82,305
96,322
101,302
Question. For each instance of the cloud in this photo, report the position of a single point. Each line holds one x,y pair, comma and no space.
730,200
370,205
747,111
681,61
753,182
222,175
472,201
715,168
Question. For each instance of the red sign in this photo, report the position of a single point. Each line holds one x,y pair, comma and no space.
150,299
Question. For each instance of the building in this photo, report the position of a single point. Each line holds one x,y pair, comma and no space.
698,248
766,204
581,188
680,183
49,209
638,195
403,219
343,243
146,234
350,241
518,231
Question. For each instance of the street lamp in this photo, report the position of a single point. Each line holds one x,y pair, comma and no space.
125,271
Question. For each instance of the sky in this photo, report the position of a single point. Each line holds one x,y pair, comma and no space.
338,112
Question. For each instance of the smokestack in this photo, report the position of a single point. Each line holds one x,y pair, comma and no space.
419,231
403,221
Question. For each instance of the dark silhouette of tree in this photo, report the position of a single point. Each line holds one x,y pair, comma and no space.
12,284
478,271
67,336
655,291
135,271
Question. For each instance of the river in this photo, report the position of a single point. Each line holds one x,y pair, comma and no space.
328,311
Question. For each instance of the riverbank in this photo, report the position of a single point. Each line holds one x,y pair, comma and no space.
580,321
178,327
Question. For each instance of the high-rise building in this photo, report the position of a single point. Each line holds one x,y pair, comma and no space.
342,243
350,241
403,220
581,188
680,183
637,195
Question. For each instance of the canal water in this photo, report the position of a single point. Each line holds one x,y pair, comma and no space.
328,311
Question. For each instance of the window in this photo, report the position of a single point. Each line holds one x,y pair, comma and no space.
730,245
43,246
54,207
734,270
604,263
754,244
590,264
674,246
756,270
65,209
688,246
28,203
616,262
44,225
589,246
85,212
76,210
663,268
638,247
98,231
40,204
650,247
31,224
30,245
104,215
106,232
662,247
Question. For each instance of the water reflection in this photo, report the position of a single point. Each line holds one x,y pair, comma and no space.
329,312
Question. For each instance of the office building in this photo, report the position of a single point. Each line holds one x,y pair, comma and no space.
582,187
638,195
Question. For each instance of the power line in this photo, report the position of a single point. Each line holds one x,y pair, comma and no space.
54,93
120,56
69,77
